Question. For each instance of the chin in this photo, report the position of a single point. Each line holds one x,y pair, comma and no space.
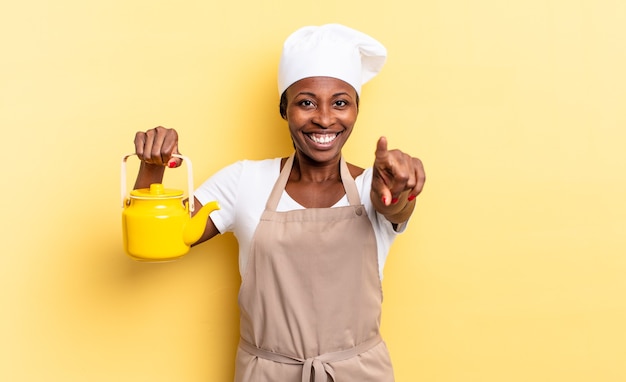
321,156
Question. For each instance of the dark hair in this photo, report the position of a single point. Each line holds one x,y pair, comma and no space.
282,106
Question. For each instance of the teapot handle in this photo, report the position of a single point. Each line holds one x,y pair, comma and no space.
189,180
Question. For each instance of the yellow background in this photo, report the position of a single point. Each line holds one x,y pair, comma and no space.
513,267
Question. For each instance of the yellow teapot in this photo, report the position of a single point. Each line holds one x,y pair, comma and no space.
156,224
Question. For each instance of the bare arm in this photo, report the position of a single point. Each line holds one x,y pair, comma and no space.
210,230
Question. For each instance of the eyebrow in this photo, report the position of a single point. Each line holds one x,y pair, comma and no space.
305,93
315,95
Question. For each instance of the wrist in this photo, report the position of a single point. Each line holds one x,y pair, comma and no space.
398,210
149,174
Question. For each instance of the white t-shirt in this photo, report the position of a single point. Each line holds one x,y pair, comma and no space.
242,190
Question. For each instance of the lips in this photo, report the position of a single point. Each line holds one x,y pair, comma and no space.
323,139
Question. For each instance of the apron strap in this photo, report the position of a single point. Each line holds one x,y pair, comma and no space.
279,186
348,184
320,365
346,178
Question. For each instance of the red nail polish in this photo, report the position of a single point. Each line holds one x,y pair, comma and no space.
384,200
411,198
171,164
394,200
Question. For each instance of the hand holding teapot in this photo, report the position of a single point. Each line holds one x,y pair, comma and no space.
156,224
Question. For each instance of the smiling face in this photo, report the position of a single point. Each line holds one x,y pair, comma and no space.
321,112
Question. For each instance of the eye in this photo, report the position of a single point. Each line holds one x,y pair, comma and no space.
307,103
341,103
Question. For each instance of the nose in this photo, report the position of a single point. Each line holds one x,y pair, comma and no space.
323,117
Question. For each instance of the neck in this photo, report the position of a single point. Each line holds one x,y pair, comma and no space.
305,169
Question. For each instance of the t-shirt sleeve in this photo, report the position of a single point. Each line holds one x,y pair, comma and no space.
383,228
222,187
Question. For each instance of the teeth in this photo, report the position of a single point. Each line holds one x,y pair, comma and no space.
323,138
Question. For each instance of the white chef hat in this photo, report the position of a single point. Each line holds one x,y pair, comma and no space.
330,50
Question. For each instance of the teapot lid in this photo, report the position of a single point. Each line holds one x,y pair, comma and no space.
156,191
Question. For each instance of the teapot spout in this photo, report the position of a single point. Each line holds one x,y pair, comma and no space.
196,225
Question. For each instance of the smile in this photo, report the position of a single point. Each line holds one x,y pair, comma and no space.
323,139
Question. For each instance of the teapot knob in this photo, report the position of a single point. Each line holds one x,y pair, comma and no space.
161,190
157,189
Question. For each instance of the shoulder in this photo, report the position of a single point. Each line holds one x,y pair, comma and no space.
355,170
260,169
363,183
242,175
241,189
247,176
247,166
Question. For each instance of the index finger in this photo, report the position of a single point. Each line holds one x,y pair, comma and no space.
140,141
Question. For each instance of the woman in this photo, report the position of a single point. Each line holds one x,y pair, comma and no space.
313,230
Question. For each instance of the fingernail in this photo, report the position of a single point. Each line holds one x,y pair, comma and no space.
384,200
171,163
394,200
411,198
